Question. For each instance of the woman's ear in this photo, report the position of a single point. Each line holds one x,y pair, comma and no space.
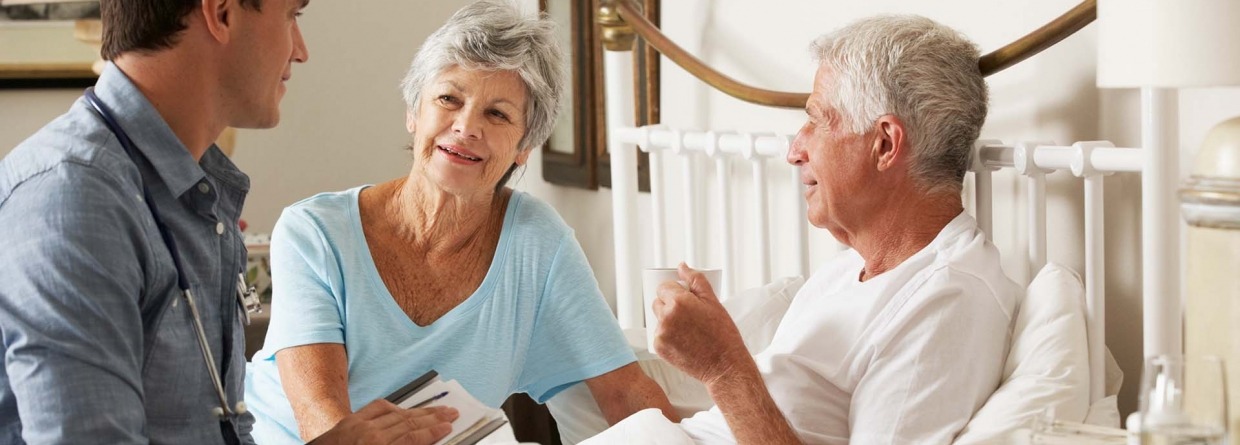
410,121
523,156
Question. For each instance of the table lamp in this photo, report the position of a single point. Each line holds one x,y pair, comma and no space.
1160,46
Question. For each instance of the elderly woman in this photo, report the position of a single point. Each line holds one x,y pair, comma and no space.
445,269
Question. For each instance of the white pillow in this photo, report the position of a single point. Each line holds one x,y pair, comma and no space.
1048,364
757,313
1105,411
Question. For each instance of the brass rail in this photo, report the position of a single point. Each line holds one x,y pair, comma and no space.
1042,38
1023,48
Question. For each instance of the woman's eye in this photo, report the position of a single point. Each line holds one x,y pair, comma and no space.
446,99
499,114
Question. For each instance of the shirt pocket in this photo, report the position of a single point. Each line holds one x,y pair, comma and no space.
174,374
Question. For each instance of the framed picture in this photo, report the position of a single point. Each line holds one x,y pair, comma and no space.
576,155
47,46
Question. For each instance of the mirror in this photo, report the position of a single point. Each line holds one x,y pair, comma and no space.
576,155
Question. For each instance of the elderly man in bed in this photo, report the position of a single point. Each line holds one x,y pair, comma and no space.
903,337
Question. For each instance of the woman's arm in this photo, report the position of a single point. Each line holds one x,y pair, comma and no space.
626,390
316,379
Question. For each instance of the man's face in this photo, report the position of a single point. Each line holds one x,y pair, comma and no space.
267,43
835,163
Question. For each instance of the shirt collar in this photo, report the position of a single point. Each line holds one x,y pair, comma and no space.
958,225
217,164
148,130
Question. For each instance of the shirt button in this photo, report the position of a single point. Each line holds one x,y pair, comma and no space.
219,228
203,187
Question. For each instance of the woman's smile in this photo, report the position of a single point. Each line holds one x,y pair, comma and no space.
458,155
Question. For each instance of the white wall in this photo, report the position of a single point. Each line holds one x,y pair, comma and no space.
22,112
343,117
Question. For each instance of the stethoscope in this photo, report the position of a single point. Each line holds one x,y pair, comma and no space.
245,294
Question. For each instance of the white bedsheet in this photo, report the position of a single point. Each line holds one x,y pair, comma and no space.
647,426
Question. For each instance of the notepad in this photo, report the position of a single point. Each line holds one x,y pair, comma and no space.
477,421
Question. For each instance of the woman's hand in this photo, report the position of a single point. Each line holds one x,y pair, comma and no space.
381,422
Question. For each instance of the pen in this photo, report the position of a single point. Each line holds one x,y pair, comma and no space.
427,401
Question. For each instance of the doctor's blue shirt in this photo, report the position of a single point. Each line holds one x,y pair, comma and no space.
98,344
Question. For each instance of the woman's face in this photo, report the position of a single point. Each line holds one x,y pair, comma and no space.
467,128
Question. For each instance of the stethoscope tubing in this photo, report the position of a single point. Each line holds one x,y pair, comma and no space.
223,411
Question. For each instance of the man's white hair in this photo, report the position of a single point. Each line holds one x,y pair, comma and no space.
922,72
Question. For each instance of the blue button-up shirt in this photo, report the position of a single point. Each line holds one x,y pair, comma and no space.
99,345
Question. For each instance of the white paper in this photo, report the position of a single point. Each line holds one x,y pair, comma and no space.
472,411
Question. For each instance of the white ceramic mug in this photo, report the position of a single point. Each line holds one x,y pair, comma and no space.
652,278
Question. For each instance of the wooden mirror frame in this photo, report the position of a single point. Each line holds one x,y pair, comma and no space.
587,164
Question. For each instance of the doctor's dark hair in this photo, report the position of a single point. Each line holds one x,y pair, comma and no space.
494,35
920,71
147,25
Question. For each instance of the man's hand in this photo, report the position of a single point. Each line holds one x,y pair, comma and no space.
381,422
697,335
695,332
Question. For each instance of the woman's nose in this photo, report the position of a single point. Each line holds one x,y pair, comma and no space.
467,125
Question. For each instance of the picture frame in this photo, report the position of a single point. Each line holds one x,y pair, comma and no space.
47,53
576,155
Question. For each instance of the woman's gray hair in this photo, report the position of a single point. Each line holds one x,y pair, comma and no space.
494,35
922,72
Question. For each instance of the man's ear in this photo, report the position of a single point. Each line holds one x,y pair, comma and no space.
218,15
890,143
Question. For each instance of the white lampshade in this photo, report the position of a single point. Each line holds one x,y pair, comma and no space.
1168,43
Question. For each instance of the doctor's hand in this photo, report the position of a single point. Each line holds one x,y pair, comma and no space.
695,333
381,422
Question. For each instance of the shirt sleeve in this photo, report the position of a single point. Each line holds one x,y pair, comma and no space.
575,335
305,307
70,292
937,361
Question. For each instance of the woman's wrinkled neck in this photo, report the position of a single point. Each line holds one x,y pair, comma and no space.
433,218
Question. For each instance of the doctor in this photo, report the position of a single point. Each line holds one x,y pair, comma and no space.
120,314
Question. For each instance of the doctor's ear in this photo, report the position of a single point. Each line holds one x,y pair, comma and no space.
891,141
217,14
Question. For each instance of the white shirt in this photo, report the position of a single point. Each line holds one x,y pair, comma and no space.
904,357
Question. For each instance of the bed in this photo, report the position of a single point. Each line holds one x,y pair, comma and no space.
734,188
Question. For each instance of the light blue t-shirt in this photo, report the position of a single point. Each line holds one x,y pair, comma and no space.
537,324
